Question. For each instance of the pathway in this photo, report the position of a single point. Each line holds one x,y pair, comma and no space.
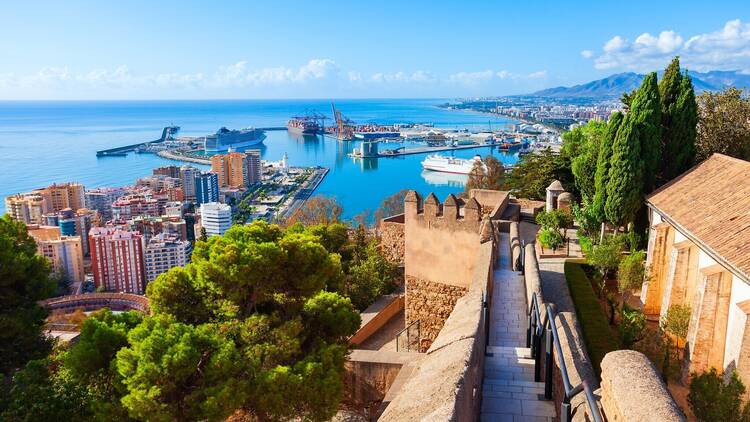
509,391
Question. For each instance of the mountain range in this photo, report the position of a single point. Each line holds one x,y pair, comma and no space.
615,85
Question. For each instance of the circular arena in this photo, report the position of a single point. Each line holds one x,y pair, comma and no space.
94,301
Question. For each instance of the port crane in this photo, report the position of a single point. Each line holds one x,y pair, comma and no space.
344,128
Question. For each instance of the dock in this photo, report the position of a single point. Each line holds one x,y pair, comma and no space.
166,133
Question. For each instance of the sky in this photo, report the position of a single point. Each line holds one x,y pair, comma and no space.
104,50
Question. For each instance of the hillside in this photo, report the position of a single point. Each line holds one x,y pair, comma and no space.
615,85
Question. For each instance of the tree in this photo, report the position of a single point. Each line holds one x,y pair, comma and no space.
723,124
392,205
477,176
266,316
24,280
712,399
606,255
317,210
204,235
603,163
588,140
677,321
631,272
369,277
176,371
635,155
495,173
534,172
37,393
632,325
91,362
679,118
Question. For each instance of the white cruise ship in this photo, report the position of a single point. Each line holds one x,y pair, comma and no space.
436,162
224,139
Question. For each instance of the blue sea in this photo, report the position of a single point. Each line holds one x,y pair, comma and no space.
56,141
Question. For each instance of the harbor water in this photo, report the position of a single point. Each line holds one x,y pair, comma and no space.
47,142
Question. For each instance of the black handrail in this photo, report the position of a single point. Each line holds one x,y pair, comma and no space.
534,335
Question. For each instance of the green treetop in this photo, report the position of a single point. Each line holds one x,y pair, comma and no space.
601,177
252,307
679,118
24,279
635,155
589,139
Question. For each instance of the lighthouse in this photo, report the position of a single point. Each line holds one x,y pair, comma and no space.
285,163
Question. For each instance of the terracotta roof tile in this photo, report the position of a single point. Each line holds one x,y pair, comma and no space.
711,202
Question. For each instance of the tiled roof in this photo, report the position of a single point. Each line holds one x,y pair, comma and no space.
711,204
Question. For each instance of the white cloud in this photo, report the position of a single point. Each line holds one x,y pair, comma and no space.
471,78
420,76
314,78
724,49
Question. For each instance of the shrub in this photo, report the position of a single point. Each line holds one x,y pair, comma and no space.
550,238
711,399
555,219
586,244
632,325
606,255
631,271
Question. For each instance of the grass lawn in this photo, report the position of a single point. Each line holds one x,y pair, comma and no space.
599,337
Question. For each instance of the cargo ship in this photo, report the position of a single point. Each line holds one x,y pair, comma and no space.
437,162
240,139
303,126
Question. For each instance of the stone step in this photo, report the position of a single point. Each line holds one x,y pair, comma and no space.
523,352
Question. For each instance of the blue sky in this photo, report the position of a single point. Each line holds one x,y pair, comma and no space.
322,49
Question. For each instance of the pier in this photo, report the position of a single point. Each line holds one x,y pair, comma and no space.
428,149
166,133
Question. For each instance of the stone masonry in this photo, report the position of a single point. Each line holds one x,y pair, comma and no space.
430,303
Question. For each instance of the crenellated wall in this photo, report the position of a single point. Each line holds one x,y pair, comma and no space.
442,241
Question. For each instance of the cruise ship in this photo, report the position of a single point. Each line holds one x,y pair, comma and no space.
436,162
240,139
303,126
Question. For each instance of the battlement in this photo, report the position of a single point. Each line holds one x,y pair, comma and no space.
453,214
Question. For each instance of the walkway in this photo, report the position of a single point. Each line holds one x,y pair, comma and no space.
509,391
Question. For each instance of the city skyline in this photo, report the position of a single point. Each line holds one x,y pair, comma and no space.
169,50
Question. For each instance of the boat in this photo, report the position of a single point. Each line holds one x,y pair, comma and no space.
525,149
441,163
225,138
303,126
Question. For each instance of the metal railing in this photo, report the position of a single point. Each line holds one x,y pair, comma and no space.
546,328
410,337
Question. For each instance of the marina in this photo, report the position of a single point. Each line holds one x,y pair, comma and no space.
63,138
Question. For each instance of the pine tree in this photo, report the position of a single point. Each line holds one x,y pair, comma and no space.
635,155
678,121
602,165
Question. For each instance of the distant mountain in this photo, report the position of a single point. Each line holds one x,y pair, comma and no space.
615,85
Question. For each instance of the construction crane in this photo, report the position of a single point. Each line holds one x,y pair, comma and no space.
344,129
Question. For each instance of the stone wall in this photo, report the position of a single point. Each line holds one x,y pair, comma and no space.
430,303
442,240
447,383
392,241
632,390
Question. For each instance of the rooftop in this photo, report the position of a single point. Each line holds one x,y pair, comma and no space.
710,204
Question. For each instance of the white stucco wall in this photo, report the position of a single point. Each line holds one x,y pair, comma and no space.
736,324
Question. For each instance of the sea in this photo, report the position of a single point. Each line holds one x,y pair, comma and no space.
45,142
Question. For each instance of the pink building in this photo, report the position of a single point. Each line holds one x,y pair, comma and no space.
117,260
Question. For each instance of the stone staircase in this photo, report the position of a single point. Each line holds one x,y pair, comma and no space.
509,392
